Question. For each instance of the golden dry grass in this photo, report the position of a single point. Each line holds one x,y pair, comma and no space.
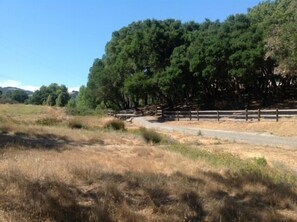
56,173
285,127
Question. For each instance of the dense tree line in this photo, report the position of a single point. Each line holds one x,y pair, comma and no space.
14,96
226,64
52,95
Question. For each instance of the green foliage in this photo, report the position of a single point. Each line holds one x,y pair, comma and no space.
13,96
85,111
115,125
277,20
20,96
134,57
80,105
246,168
51,95
62,99
71,103
150,136
168,62
50,100
261,161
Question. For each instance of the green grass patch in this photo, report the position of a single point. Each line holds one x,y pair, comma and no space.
84,111
261,161
254,170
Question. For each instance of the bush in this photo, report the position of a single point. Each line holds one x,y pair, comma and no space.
261,161
150,136
75,124
115,125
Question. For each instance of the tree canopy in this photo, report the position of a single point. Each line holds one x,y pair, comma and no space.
208,64
52,95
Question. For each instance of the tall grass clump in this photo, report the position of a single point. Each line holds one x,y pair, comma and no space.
261,161
115,124
48,121
75,124
150,136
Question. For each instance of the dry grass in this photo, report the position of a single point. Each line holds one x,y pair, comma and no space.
55,173
139,184
285,127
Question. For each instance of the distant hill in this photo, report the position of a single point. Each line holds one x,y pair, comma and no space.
7,90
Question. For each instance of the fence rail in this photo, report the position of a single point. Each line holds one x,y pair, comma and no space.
229,114
125,114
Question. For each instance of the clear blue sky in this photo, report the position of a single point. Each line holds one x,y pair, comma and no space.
46,41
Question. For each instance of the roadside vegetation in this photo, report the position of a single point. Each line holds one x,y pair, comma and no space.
50,171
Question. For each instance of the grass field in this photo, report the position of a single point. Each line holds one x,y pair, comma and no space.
55,167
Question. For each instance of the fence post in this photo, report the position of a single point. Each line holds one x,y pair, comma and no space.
246,115
276,114
162,113
259,115
190,115
177,115
198,114
218,115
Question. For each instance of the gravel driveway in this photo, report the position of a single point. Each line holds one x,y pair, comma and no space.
245,137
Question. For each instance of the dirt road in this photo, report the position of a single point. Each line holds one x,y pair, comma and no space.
245,137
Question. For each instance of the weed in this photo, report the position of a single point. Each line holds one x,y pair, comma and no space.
150,136
115,125
261,161
89,174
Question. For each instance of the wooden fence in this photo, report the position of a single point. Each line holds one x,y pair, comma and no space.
246,114
125,114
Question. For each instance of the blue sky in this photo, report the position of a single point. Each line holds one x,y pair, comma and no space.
46,41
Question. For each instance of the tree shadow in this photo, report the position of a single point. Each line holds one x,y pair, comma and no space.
45,141
251,204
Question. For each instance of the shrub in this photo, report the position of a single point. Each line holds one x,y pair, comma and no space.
75,124
150,136
73,109
115,125
261,161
